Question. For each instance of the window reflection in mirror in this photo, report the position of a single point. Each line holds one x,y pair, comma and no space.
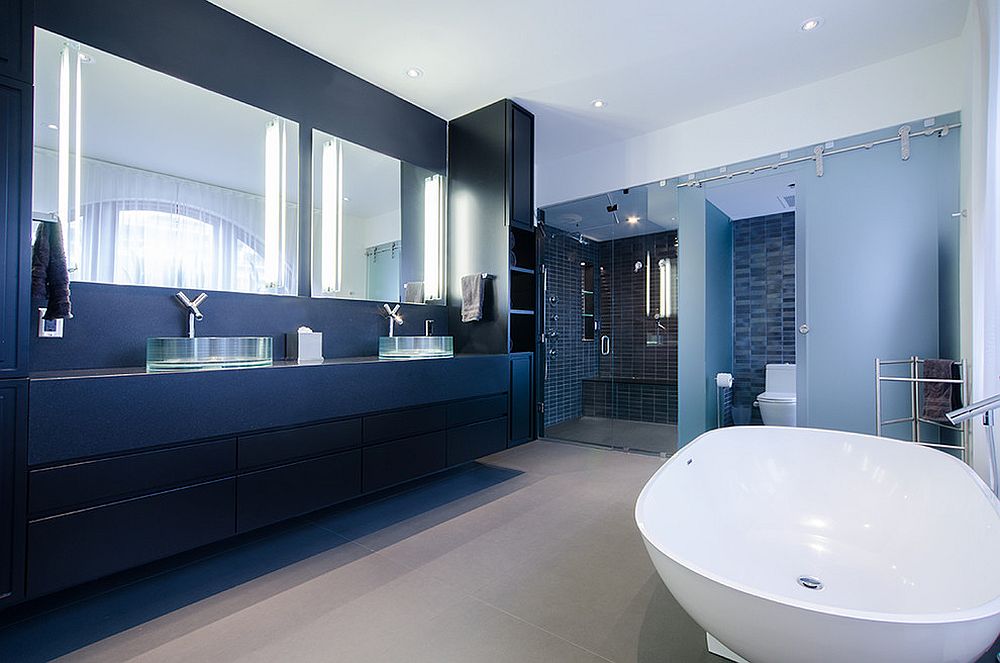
378,225
158,182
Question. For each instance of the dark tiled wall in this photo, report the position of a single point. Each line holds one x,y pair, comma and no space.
648,400
574,359
640,347
763,304
643,357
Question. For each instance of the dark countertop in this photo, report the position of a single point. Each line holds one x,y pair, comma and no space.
77,373
84,413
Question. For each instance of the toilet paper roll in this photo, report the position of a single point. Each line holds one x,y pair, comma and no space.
724,380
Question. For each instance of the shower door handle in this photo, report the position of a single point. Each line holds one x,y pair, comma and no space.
605,345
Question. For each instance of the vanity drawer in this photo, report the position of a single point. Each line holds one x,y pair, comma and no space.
260,449
79,546
394,462
474,441
395,425
272,495
64,487
476,409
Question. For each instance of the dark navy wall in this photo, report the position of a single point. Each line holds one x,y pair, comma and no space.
111,323
203,44
197,41
573,359
763,305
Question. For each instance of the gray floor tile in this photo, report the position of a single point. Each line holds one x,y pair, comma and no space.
530,555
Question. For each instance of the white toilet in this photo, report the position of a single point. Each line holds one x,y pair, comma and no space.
777,403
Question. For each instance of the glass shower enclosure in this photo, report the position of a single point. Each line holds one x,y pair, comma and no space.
610,292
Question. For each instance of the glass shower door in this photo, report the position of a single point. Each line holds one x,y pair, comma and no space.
577,341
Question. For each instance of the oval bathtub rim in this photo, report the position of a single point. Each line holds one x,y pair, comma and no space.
983,611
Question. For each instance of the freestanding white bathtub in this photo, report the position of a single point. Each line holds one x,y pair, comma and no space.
798,545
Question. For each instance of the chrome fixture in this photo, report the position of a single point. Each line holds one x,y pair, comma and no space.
194,313
987,408
428,327
395,318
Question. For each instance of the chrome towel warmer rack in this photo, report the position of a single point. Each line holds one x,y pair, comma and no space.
914,379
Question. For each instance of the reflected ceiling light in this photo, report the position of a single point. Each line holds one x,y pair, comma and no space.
414,72
275,176
811,24
86,58
632,219
666,308
332,216
598,103
433,237
54,127
346,199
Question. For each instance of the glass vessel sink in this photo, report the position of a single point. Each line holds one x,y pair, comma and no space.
415,347
207,352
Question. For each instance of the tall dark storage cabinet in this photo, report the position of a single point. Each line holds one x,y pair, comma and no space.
491,231
16,43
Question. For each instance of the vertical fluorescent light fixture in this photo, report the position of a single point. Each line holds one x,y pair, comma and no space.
665,298
433,237
332,216
74,227
62,206
275,169
648,277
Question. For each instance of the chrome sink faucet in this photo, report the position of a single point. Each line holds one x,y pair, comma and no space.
395,318
194,313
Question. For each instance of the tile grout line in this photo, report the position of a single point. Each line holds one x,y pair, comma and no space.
540,628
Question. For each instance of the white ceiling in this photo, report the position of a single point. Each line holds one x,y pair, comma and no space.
655,62
750,197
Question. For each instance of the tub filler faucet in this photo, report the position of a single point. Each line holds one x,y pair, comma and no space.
394,316
194,313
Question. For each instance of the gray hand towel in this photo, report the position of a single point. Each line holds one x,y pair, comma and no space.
40,263
940,397
413,292
49,271
473,290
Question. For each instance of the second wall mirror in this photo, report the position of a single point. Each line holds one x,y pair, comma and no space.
378,225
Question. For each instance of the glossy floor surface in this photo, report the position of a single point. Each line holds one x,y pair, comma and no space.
531,555
641,435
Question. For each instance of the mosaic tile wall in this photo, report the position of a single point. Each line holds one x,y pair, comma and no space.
763,305
569,358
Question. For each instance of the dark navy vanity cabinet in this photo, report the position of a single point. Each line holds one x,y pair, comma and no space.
109,490
13,406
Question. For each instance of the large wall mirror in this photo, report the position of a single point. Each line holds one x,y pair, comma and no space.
155,181
378,225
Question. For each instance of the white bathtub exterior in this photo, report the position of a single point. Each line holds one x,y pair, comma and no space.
905,539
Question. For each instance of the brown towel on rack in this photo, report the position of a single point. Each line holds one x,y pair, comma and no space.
940,398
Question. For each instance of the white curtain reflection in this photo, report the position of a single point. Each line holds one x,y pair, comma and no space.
143,228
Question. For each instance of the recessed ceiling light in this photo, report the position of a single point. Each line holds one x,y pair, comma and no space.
811,24
632,219
598,103
414,72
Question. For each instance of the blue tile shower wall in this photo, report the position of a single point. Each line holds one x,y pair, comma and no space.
638,379
643,358
573,359
763,305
